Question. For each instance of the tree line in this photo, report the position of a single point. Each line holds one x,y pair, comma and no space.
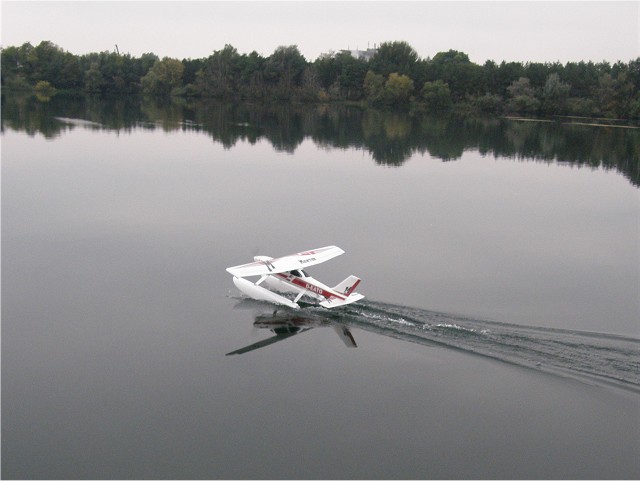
395,76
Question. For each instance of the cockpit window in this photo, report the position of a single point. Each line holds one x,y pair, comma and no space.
299,273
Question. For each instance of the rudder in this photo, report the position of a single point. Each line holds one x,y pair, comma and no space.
347,286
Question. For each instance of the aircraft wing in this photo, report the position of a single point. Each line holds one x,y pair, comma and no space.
266,342
257,268
286,263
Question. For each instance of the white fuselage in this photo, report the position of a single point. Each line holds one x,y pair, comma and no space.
291,283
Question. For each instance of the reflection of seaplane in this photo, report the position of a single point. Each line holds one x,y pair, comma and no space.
286,325
285,274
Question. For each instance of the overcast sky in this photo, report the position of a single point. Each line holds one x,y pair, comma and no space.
506,30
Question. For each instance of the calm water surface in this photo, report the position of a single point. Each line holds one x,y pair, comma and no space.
118,220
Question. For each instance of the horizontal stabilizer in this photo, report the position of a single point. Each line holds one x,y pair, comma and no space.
335,302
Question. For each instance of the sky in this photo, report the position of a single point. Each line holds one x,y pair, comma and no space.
504,30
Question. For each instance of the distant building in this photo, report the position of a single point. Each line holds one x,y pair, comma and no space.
361,54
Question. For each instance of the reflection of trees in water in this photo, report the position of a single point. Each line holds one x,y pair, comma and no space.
443,137
606,147
390,137
29,115
385,135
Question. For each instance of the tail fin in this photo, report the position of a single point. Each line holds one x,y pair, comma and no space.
347,286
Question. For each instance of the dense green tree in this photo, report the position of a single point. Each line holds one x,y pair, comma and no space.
117,73
351,74
219,75
506,74
394,57
490,73
555,95
582,107
50,63
582,76
489,103
398,89
251,67
605,95
374,87
436,95
522,97
45,61
455,69
311,88
191,68
615,95
14,69
633,70
163,77
93,80
327,69
283,71
144,64
342,74
537,73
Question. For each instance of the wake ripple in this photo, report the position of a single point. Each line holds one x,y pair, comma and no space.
591,357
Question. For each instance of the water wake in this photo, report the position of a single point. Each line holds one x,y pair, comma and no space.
591,357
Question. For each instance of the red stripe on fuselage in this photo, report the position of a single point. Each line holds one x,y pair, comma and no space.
300,282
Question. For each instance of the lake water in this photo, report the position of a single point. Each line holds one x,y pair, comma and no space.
499,258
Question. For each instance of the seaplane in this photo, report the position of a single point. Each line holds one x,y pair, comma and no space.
286,275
